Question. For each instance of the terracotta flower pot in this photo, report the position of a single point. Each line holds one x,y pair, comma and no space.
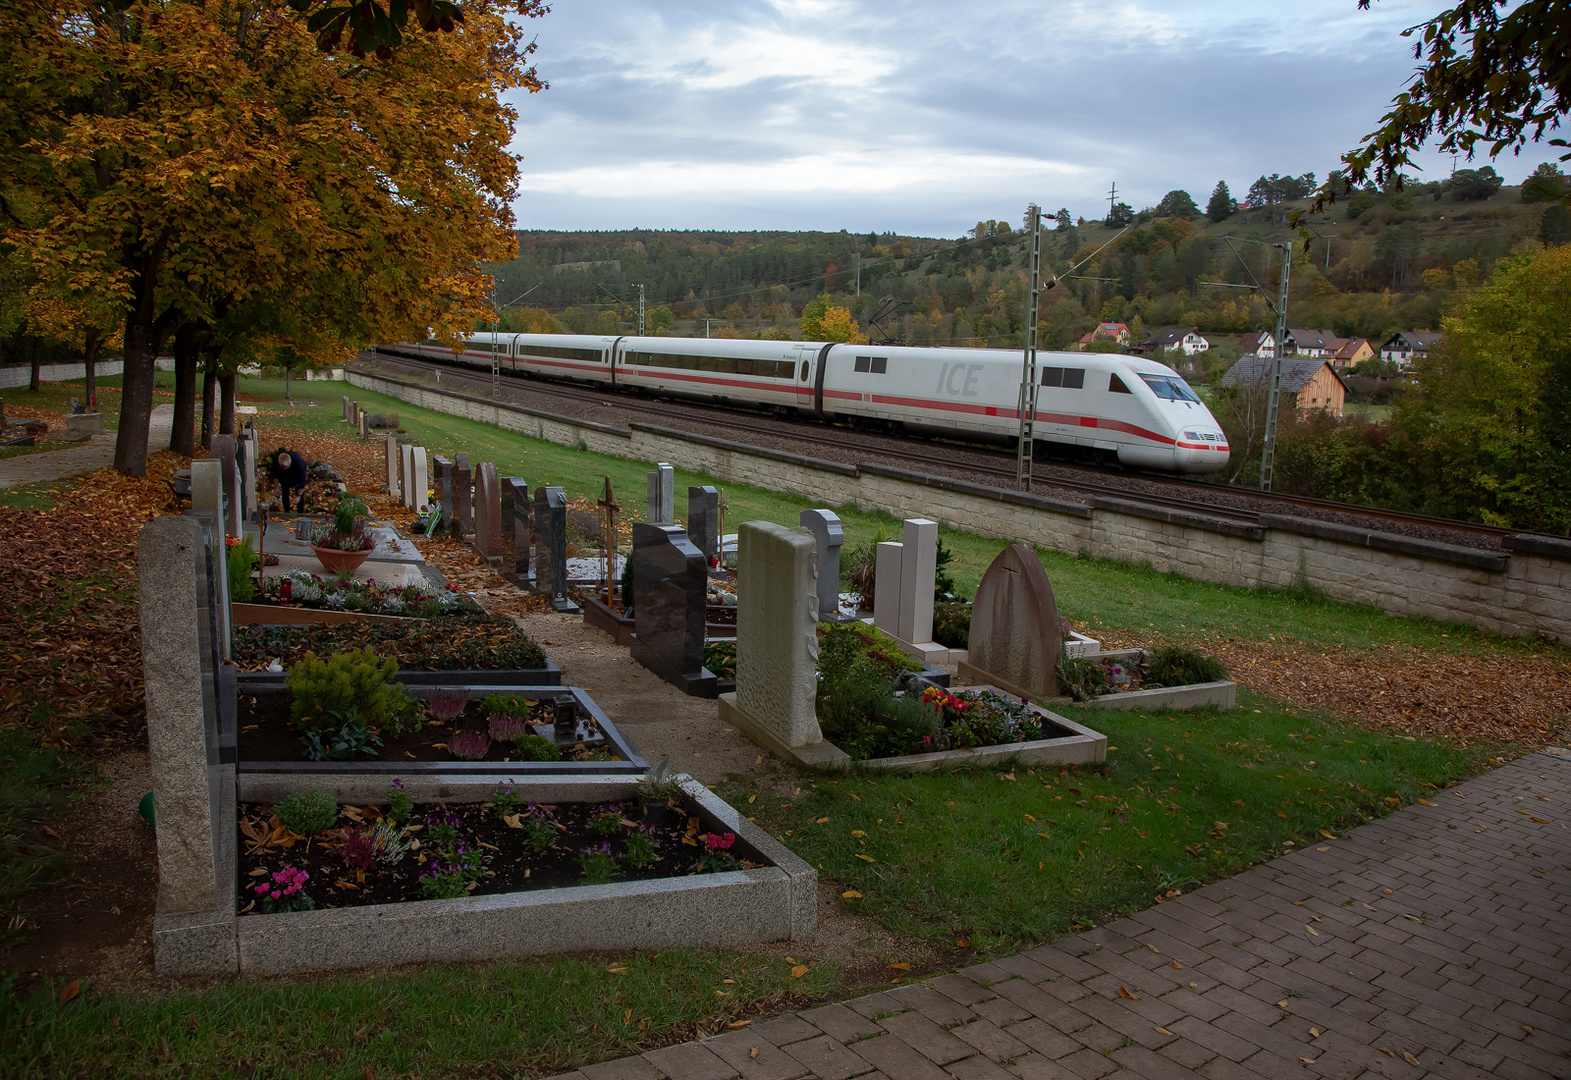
340,562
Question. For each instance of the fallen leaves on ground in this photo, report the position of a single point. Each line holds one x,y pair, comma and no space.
73,644
1504,697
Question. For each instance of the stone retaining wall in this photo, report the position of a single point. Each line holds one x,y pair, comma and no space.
21,374
1521,592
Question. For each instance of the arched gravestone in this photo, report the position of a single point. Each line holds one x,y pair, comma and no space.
1015,632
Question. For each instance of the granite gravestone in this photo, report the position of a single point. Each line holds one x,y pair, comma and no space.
828,536
551,548
462,523
347,414
250,458
394,490
522,518
703,522
662,495
1016,635
226,451
488,514
670,582
193,928
444,488
777,644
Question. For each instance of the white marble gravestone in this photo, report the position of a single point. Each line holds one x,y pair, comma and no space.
418,479
777,645
903,596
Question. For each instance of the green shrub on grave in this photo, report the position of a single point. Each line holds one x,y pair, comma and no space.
241,561
307,812
952,624
350,684
1175,666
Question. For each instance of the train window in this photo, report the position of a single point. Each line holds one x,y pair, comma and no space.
1068,378
864,363
880,365
804,370
1053,376
1115,385
1169,388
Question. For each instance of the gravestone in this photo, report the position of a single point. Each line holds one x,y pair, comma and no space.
703,522
194,794
251,457
903,595
886,586
777,645
1016,635
393,489
662,495
444,488
551,548
348,416
516,489
488,514
420,492
226,451
364,420
828,536
670,584
462,523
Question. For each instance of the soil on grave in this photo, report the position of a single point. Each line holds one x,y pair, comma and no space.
509,864
267,734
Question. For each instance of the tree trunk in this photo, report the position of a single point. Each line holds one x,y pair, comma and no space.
226,393
209,399
136,399
181,431
35,380
92,342
287,369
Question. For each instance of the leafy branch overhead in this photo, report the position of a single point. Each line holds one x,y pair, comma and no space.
1487,75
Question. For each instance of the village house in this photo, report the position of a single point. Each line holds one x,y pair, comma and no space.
1306,342
1185,338
1115,332
1257,343
1311,381
1405,346
1350,352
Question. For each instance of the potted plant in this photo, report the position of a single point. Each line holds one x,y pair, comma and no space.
342,545
656,788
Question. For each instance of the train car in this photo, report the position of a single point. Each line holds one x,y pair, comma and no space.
1097,406
1104,406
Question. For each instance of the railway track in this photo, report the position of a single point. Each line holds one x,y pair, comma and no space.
989,466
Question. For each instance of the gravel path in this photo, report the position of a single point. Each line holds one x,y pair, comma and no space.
93,454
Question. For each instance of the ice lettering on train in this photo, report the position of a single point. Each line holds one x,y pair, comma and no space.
958,380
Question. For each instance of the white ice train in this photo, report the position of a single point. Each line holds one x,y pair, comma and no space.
1098,406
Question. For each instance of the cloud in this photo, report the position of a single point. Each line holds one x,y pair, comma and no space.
925,116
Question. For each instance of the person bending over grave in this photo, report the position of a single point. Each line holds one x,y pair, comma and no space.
292,474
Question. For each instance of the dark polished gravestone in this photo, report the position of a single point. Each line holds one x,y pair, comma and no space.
518,525
461,525
551,548
703,521
670,581
488,514
444,487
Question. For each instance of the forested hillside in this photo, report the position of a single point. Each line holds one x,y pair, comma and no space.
1381,262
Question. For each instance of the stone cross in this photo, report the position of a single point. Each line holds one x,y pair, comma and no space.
393,489
463,519
703,522
1015,633
488,513
444,488
662,495
516,489
609,507
551,548
777,573
827,534
670,586
226,449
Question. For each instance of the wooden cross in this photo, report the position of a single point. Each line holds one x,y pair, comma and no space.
610,506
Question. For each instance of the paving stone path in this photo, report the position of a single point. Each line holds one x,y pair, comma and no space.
1433,942
95,453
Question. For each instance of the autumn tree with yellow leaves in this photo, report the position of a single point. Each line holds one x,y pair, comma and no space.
211,165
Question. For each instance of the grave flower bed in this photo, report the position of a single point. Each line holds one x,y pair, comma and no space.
1172,677
460,641
303,589
307,852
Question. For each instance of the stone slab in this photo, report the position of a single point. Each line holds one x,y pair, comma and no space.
820,755
1016,634
777,630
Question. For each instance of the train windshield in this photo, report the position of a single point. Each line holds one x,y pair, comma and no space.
1170,388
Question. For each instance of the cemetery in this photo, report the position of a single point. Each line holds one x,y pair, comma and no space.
476,802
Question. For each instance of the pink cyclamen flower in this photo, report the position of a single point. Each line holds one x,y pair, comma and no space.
276,894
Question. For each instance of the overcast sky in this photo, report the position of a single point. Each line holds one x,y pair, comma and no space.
923,116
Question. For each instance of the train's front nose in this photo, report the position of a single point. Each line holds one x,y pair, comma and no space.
1201,451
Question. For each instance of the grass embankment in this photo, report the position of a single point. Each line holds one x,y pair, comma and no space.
997,858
